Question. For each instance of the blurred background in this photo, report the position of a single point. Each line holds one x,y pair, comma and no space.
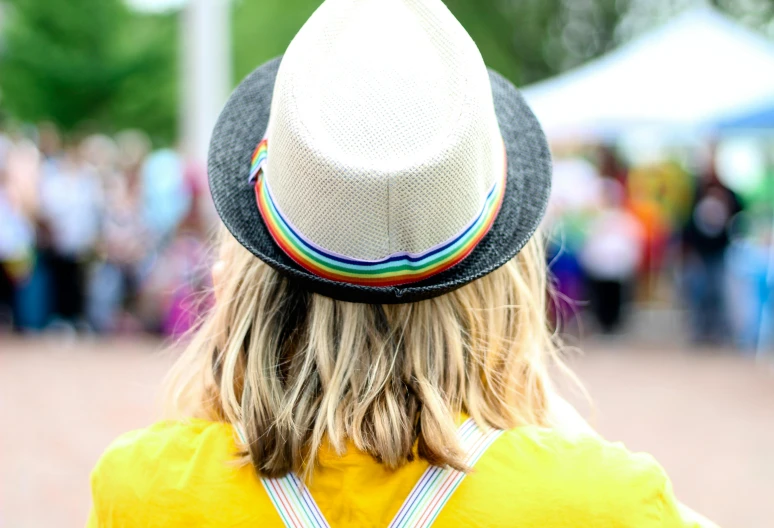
660,114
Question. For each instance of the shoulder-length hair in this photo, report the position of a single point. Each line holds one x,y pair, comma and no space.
293,370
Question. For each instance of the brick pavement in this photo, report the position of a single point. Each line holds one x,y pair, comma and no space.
707,417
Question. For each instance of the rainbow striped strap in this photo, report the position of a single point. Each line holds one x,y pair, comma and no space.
437,485
291,498
298,509
394,270
294,503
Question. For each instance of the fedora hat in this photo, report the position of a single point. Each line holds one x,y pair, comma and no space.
378,160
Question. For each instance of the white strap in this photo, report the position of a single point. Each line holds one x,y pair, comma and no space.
298,509
437,485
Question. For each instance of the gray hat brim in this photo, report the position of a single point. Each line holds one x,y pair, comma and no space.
242,125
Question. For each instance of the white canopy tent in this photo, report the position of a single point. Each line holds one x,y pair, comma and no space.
696,69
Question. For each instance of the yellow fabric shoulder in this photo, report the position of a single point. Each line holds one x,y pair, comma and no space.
185,474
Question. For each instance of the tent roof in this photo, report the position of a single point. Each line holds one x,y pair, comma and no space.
761,117
691,71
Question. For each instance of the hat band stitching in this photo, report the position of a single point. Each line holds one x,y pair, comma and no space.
391,271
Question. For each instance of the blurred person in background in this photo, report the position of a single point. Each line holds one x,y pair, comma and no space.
16,237
180,279
705,239
123,242
750,261
126,242
49,142
612,256
660,193
610,165
166,195
71,203
171,220
6,285
575,195
31,283
192,295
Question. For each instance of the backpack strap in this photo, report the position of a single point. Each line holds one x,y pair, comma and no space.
298,509
437,485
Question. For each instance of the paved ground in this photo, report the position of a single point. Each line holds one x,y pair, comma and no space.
708,417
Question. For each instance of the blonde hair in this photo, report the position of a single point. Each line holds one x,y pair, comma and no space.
294,369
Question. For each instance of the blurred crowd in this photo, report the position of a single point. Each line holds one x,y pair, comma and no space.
99,234
667,233
104,234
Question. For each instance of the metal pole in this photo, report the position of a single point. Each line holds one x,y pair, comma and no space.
206,75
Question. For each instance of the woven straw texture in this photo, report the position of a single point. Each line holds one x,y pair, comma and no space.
392,137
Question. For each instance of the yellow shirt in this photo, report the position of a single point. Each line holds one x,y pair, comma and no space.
177,474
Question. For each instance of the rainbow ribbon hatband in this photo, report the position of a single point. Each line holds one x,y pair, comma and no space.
394,270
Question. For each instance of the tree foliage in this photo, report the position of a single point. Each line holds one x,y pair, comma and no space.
76,61
88,61
264,28
525,40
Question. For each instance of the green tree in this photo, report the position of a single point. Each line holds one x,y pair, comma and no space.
88,61
264,28
525,40
647,14
95,61
148,98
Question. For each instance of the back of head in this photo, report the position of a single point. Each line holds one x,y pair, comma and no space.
293,369
381,277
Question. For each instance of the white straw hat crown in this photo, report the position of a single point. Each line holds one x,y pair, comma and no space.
383,140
